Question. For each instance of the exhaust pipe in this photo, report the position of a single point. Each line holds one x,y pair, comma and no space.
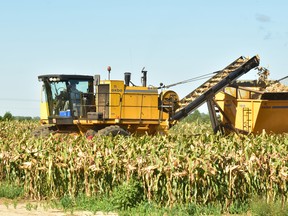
127,78
144,78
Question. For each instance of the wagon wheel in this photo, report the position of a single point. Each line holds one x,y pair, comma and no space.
112,130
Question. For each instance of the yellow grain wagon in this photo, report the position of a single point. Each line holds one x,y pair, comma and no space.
249,107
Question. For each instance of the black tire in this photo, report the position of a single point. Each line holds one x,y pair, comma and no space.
44,131
90,133
112,130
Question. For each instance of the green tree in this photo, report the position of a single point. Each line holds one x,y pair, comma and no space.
22,118
198,116
195,115
8,116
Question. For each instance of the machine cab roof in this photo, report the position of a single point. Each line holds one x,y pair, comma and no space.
64,77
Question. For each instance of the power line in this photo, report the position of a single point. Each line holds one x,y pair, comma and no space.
205,76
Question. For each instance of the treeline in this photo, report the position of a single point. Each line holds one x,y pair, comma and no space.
8,117
195,116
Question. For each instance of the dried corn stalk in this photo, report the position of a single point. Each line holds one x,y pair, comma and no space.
179,168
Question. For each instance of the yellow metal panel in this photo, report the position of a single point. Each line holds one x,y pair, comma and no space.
231,91
44,110
116,92
273,117
140,106
140,90
246,114
229,105
150,107
243,94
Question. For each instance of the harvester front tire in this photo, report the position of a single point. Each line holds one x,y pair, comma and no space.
112,130
90,134
44,131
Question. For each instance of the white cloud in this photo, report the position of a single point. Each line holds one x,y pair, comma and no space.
262,18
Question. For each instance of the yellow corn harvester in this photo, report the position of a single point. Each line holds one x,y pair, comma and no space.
87,105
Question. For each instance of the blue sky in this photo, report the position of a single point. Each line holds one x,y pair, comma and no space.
174,40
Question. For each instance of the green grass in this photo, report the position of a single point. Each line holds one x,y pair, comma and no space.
10,191
126,199
105,204
260,207
257,207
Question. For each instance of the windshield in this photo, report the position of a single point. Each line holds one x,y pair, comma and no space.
66,97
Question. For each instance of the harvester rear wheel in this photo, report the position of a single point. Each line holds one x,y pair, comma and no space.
112,130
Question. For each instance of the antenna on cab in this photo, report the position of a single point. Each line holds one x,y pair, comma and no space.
109,69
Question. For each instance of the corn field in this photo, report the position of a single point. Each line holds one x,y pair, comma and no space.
189,165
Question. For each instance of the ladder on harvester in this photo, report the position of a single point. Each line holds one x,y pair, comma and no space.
247,119
212,86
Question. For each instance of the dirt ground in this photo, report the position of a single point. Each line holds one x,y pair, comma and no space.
30,208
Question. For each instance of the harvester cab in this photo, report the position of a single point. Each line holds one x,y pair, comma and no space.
64,96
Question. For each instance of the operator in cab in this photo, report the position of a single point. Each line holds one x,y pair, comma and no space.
75,96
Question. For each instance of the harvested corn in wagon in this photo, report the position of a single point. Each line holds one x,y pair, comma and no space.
277,87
